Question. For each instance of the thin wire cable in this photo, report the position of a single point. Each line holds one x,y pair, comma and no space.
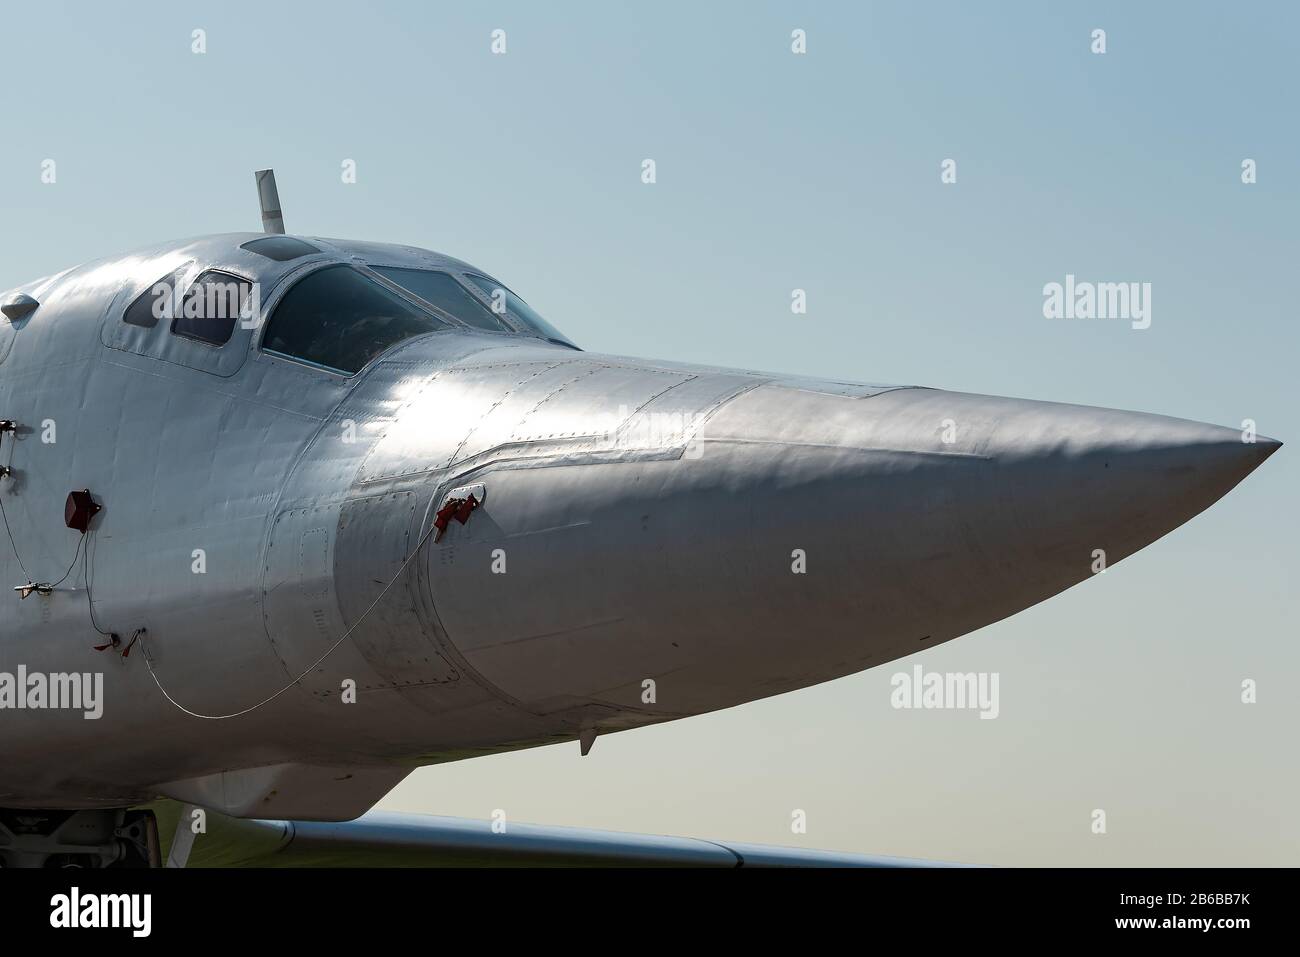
12,543
148,659
75,554
5,514
14,546
90,602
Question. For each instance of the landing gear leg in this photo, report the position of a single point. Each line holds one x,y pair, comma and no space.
96,838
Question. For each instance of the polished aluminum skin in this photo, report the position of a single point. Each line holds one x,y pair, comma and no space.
712,535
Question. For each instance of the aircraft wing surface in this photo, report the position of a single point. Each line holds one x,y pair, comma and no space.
387,839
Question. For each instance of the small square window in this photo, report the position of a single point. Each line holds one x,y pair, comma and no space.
212,306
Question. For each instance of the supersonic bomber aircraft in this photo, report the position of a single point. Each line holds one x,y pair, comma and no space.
298,515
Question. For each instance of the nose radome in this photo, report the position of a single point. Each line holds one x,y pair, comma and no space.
1073,476
1104,480
1016,467
1042,479
923,515
807,536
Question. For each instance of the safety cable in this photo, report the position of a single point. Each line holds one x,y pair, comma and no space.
5,472
148,659
14,545
90,602
76,553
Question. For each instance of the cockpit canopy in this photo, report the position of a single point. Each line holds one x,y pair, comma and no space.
355,301
339,318
504,311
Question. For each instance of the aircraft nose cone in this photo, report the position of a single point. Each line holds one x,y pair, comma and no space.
922,515
809,535
1070,476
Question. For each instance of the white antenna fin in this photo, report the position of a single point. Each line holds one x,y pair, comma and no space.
269,197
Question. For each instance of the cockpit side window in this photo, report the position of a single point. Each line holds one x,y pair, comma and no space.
156,302
441,290
503,301
339,319
212,306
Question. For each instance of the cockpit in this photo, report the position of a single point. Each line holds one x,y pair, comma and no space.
331,305
342,316
339,319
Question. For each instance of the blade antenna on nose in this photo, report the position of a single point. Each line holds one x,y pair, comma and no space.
269,198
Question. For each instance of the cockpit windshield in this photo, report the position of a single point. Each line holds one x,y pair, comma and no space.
455,295
441,290
340,319
504,301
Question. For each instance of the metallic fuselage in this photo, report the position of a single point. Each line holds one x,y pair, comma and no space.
722,535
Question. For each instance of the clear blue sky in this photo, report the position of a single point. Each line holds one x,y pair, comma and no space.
820,172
